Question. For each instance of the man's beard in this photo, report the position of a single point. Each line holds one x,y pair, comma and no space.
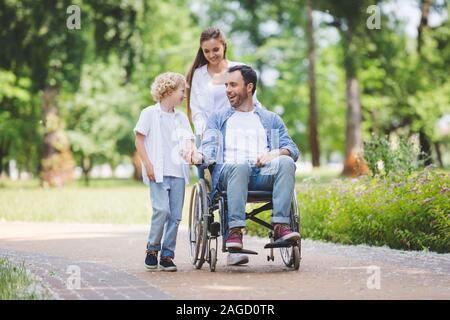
239,100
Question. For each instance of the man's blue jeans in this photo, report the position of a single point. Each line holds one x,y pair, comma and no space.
167,202
277,176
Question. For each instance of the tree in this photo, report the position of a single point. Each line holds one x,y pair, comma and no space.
349,19
312,123
101,116
16,120
39,46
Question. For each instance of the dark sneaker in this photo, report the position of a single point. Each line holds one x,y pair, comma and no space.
282,232
151,260
166,264
234,240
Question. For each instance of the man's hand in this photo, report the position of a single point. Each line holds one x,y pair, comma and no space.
265,158
150,172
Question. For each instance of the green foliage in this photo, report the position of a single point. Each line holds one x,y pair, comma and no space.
19,126
101,116
384,157
403,213
402,92
15,283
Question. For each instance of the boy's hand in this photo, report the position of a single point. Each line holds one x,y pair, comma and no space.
150,172
193,157
196,157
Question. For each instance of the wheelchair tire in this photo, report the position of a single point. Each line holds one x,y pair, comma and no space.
291,256
296,256
193,222
202,223
196,228
212,259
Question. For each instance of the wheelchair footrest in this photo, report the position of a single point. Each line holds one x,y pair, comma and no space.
280,244
244,251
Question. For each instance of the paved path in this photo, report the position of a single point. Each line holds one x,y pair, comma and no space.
109,260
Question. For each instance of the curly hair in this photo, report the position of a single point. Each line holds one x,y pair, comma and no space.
165,84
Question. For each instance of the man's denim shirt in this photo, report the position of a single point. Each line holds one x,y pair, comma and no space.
213,143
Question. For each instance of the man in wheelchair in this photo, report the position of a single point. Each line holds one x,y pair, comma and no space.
252,150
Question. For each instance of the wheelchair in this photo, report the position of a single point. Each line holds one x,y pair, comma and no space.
204,231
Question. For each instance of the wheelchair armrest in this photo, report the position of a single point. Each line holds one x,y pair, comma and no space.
209,165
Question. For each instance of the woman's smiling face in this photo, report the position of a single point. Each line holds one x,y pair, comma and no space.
213,50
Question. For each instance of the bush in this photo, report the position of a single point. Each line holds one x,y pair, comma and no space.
410,212
384,157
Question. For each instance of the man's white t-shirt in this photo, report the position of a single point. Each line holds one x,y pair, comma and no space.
245,138
172,159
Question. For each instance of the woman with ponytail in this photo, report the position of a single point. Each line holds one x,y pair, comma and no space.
206,89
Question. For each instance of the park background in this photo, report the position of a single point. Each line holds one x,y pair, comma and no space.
363,87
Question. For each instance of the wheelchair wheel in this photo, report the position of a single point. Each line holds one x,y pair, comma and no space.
198,224
193,243
292,255
212,259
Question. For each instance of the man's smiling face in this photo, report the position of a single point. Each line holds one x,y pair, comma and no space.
236,88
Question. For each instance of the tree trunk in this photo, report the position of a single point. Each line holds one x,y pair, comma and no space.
425,145
57,162
354,165
437,147
3,153
313,139
425,9
86,166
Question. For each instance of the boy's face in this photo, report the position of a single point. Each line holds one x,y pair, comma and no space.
177,96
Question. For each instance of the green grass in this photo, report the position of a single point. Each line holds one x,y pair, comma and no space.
15,283
317,176
104,201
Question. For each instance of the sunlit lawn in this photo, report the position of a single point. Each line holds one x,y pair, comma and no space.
104,201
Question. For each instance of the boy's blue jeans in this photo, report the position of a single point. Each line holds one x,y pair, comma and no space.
167,203
278,176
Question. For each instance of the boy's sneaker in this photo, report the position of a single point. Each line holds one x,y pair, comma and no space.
151,260
282,232
234,240
166,264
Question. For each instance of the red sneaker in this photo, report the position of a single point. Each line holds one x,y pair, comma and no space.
234,240
282,232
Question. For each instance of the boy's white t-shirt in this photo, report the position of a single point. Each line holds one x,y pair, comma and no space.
245,138
150,125
172,158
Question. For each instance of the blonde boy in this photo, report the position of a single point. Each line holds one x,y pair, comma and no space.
162,135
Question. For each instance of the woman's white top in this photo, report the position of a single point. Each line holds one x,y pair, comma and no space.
207,97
